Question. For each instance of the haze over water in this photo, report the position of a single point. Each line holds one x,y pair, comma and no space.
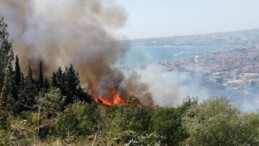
154,54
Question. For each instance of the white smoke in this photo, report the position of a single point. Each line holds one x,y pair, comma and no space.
169,89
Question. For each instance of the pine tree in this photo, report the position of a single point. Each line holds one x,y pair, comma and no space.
18,74
41,78
6,53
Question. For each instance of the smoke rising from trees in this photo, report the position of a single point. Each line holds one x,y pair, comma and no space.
77,32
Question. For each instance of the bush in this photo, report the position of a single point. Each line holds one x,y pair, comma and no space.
118,121
217,122
167,122
78,119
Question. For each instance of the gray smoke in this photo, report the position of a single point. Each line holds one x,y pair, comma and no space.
78,32
171,88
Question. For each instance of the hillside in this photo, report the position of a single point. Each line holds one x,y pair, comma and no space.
243,37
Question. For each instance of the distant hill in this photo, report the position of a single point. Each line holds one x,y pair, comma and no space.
243,37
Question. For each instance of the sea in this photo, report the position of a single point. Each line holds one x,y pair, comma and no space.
150,55
154,54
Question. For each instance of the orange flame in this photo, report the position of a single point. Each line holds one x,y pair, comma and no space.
116,99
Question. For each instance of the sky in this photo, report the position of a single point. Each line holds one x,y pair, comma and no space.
161,18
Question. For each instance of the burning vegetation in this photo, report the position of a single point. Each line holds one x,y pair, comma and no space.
115,98
50,106
76,32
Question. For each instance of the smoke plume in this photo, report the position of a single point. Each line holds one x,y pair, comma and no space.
170,88
77,32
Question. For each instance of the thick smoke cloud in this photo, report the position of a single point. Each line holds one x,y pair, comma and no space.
63,32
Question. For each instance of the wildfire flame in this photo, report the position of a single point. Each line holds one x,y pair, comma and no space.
116,99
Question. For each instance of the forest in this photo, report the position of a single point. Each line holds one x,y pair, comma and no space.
56,110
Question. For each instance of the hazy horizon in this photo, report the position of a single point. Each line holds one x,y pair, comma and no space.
151,18
196,34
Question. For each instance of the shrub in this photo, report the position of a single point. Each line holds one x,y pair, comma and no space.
217,122
78,119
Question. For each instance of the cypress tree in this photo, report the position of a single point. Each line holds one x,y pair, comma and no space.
29,77
61,81
18,74
41,78
72,84
69,84
54,80
46,85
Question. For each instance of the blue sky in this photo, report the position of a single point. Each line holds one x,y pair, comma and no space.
158,18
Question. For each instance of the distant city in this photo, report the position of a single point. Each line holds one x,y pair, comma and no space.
234,70
244,37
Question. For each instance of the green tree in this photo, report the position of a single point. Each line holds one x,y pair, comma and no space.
128,124
18,74
167,122
6,53
6,98
69,83
48,106
54,80
135,124
217,122
46,85
83,96
41,78
28,93
72,84
60,79
29,78
79,119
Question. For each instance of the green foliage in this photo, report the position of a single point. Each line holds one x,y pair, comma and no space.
6,53
4,128
7,90
69,83
4,123
135,118
32,110
110,120
28,93
125,123
18,74
247,129
217,122
167,122
53,100
6,98
54,82
78,119
46,85
41,78
139,139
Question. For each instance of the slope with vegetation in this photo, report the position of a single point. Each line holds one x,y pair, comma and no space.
39,111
